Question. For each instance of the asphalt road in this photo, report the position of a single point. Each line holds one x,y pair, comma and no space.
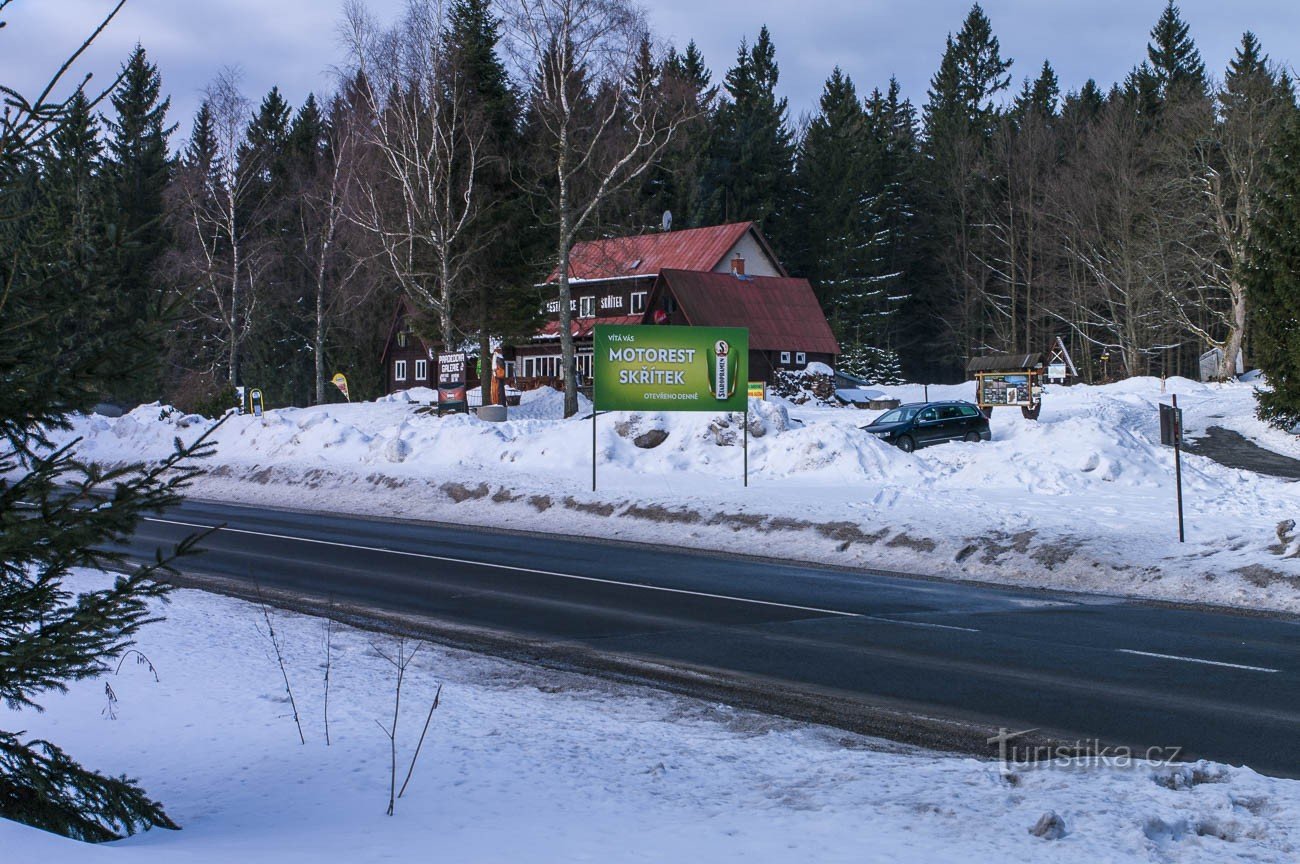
1237,451
1215,685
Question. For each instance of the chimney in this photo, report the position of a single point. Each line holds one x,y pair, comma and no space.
737,265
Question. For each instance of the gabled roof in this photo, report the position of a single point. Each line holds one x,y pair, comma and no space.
405,309
782,314
1004,363
650,254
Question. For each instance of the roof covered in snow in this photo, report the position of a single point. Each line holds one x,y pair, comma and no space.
650,254
782,313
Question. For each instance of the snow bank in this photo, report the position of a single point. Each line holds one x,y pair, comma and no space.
528,765
1081,499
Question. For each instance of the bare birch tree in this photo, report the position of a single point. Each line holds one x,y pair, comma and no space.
1222,183
330,253
430,150
220,256
602,126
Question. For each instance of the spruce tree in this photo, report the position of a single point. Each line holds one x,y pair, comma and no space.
1173,58
831,204
57,512
137,169
503,304
960,115
751,155
1273,281
674,184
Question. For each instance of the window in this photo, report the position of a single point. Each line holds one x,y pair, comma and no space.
670,304
638,302
800,358
968,411
583,362
785,358
401,339
421,370
587,307
399,370
927,415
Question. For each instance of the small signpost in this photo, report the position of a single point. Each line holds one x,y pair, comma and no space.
1059,365
452,398
663,368
255,401
1171,433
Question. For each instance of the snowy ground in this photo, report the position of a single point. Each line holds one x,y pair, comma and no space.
524,765
1082,499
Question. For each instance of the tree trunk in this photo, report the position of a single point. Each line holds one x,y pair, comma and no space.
1236,334
318,342
566,334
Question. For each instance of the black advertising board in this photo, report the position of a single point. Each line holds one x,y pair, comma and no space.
451,383
1171,425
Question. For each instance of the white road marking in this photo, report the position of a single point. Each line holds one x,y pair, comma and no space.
1197,660
517,569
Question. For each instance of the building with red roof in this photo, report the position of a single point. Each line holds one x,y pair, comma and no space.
612,279
787,329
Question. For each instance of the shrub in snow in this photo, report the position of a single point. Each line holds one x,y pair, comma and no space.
1050,826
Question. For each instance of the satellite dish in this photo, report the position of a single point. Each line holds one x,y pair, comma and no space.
667,223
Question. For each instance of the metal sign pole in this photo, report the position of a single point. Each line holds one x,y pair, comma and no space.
593,448
746,447
1178,465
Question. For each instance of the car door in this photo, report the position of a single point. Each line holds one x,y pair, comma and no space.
928,426
950,423
959,423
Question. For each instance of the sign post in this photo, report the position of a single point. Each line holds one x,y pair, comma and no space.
663,368
452,398
1171,432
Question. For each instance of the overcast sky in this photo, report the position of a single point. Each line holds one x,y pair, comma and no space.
293,43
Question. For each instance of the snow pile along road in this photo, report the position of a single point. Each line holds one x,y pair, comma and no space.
1081,499
528,765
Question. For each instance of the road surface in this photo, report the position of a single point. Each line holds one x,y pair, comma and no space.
875,652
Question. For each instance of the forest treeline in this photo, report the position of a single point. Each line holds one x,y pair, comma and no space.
468,146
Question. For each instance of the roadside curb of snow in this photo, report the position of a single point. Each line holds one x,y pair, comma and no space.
1022,559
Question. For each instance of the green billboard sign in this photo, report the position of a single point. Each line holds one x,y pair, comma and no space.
663,368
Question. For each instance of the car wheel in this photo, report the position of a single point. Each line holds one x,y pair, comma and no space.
972,437
906,444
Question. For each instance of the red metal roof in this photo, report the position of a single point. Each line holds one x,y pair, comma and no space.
649,254
782,314
582,327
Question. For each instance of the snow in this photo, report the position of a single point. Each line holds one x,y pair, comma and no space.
529,765
1082,499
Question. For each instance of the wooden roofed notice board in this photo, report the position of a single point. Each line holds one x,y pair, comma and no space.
639,367
1009,380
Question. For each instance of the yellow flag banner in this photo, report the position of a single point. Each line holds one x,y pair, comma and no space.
340,381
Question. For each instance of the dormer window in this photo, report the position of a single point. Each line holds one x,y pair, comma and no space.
587,307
